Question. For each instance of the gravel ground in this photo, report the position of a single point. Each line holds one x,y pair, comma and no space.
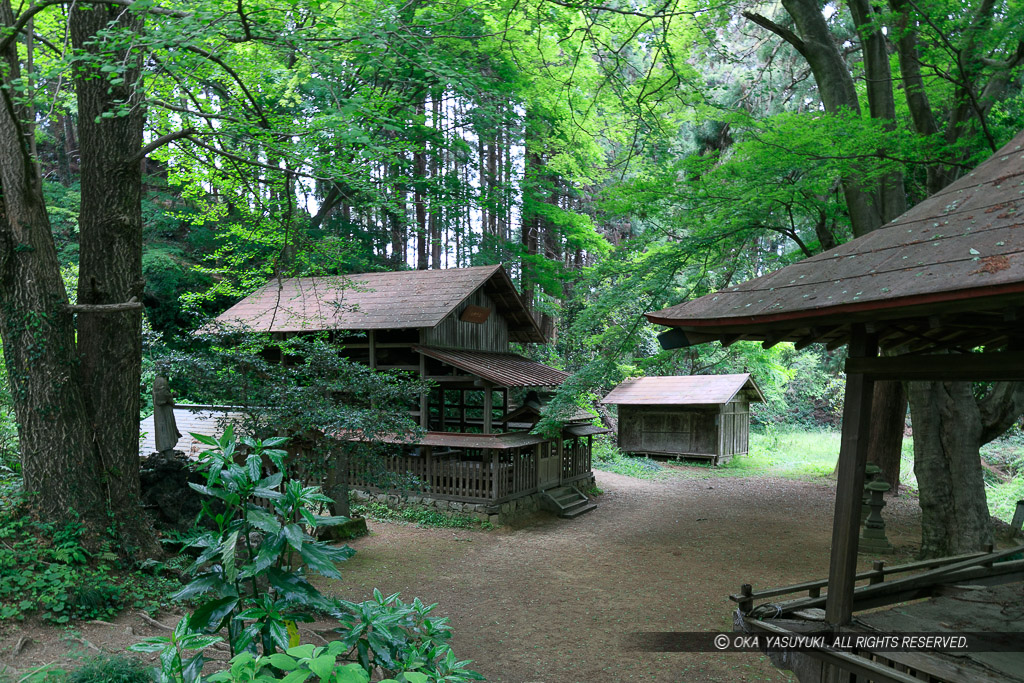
554,600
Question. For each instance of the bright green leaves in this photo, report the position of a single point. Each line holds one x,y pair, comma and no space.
252,581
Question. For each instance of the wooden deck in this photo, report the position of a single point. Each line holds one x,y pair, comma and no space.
979,593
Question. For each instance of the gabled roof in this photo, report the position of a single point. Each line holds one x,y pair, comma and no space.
683,390
375,301
959,254
504,369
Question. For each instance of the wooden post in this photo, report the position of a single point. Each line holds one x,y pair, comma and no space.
853,456
424,396
488,407
372,339
1018,517
494,473
462,411
747,603
442,409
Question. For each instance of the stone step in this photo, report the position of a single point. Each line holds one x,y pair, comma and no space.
577,510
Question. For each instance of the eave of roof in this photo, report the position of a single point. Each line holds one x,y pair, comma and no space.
502,441
948,272
503,369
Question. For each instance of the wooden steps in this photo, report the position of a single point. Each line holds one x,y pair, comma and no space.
566,501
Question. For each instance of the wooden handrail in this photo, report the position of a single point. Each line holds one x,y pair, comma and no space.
871,574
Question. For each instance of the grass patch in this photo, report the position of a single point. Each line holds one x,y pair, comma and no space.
608,458
381,512
1006,455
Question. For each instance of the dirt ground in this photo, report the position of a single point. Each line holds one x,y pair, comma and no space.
554,600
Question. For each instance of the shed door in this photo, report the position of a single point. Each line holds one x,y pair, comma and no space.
547,465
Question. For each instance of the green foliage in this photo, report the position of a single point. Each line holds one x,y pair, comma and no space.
419,516
1005,455
250,575
607,457
46,571
180,653
388,634
111,669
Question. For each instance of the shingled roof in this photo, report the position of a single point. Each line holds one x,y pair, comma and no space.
682,390
374,301
949,272
504,369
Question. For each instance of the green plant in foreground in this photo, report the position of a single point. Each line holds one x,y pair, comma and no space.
181,653
300,663
251,570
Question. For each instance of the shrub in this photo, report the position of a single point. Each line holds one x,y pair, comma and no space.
111,669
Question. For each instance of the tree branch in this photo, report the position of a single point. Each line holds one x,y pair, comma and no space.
158,143
131,305
1003,406
781,31
23,20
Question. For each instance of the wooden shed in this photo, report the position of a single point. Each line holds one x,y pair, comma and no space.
694,416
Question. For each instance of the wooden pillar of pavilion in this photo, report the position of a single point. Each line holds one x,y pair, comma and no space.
853,456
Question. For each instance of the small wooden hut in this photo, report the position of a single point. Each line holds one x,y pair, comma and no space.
695,416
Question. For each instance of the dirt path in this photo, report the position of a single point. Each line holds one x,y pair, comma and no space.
552,601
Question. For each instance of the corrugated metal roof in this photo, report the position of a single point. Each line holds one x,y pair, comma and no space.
504,369
205,420
375,301
460,440
683,390
960,246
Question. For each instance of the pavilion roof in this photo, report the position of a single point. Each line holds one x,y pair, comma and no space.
375,301
683,390
948,273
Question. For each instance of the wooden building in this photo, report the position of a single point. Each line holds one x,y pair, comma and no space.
941,289
696,416
452,327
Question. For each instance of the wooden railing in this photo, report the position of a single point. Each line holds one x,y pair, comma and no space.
519,472
575,458
471,475
878,591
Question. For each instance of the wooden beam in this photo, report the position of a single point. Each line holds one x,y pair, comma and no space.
977,367
424,396
776,337
488,407
853,457
816,334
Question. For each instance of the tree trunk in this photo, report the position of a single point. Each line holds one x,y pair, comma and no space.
37,328
947,436
110,260
888,421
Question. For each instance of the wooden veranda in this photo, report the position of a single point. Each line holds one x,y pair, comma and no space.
479,468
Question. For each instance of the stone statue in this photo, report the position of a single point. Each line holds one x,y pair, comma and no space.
165,429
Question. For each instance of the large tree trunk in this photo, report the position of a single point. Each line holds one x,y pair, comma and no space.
110,259
37,328
947,436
